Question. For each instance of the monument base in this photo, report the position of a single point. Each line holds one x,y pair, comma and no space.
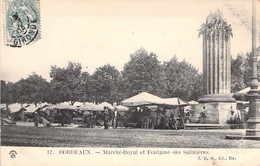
213,113
199,126
217,98
239,137
203,126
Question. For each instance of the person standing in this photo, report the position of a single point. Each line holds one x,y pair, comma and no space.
106,118
115,118
62,118
35,119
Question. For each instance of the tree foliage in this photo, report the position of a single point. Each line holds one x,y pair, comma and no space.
8,93
86,86
241,72
65,83
105,84
142,73
181,79
31,90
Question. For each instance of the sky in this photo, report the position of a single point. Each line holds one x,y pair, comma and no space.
95,33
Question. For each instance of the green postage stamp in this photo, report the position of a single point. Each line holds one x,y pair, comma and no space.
22,22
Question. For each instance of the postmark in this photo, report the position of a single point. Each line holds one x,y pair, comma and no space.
22,22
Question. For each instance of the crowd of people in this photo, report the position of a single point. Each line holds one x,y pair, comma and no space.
135,117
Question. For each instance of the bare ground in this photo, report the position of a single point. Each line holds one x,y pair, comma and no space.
98,137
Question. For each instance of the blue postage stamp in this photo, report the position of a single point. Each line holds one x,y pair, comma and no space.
22,22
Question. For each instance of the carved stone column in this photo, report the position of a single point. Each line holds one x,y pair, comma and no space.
216,60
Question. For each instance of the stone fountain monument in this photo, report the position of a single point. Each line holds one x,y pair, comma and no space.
217,105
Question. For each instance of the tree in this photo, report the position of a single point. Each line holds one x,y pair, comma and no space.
105,84
8,94
142,73
32,89
86,85
241,72
237,73
181,79
65,83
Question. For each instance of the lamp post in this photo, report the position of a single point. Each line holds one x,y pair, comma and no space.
253,95
253,123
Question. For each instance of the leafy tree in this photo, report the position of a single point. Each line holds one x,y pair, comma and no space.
142,73
181,79
8,94
31,90
121,91
237,73
65,83
105,84
86,87
241,72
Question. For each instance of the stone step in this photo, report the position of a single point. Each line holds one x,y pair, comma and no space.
203,126
195,126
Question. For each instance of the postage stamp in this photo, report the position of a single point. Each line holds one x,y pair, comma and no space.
22,22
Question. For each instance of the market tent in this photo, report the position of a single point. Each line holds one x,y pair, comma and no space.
246,90
2,106
105,104
143,98
32,108
192,102
62,106
173,102
77,104
121,108
15,107
90,107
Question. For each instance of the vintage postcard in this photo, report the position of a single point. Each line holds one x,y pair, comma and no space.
131,82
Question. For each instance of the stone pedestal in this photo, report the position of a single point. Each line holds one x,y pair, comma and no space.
254,117
212,113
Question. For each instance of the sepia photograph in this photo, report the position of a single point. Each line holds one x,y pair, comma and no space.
134,80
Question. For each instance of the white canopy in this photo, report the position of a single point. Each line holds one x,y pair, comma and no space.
69,103
105,104
15,107
2,106
174,102
77,104
121,108
143,98
62,106
90,107
246,90
192,102
32,108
